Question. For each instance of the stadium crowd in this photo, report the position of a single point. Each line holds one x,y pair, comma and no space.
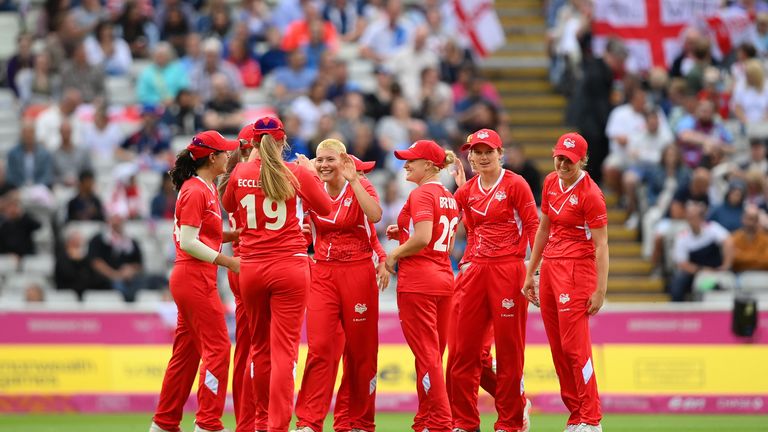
108,92
683,148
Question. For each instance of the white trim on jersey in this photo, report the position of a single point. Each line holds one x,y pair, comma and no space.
495,185
334,200
570,188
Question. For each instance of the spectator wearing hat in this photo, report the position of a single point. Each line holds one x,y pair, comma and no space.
201,80
116,259
160,81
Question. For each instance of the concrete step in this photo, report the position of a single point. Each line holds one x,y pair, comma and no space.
539,101
624,249
538,61
514,86
512,19
637,297
618,232
532,38
499,75
532,4
629,266
634,285
519,10
537,134
616,216
543,117
536,45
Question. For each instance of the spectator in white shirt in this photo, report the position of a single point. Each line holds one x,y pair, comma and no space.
624,122
102,137
201,79
750,100
703,246
408,63
106,50
49,121
311,107
385,35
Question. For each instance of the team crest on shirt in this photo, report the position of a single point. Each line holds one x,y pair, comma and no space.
507,303
573,199
569,143
347,202
361,308
500,196
564,298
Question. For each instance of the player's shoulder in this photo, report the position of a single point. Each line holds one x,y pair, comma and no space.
550,179
512,178
591,187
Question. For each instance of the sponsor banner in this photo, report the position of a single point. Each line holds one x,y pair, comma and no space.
404,402
624,327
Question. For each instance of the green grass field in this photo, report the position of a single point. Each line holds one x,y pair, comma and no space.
395,423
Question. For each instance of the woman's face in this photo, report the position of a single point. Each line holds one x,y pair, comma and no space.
328,165
567,171
416,170
486,159
218,162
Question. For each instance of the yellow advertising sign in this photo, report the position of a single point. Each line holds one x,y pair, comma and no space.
620,369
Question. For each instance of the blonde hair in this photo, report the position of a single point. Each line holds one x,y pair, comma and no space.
276,180
755,74
332,144
450,158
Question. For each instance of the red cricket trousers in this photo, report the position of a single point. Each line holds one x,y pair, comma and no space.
342,293
565,286
274,294
247,414
201,332
424,319
488,374
491,297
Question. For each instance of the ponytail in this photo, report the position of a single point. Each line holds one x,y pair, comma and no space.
276,180
184,168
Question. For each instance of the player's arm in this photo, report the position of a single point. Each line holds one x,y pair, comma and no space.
540,241
368,203
525,206
312,191
418,240
191,244
600,239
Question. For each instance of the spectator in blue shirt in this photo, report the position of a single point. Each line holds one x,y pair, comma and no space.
161,81
29,163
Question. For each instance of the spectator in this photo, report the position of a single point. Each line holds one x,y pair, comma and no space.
433,92
138,30
86,205
223,112
378,103
292,125
201,80
220,23
515,161
352,114
151,144
669,174
126,198
250,73
160,81
185,115
729,213
29,163
339,84
107,51
750,101
347,17
298,34
316,47
393,131
686,60
384,36
750,242
391,204
451,62
164,203
644,155
174,25
39,85
274,56
760,37
16,227
625,121
591,103
255,15
471,88
294,79
49,121
78,73
755,181
5,185
480,115
34,293
409,61
102,137
756,160
69,161
699,135
89,14
287,12
192,54
364,146
442,126
744,52
72,270
22,60
703,246
116,260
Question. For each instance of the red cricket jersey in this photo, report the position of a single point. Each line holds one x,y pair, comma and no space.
429,271
272,228
572,213
502,220
343,235
197,206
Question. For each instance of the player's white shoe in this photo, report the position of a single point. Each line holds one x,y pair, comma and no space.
459,430
570,428
527,416
589,428
199,429
155,428
303,429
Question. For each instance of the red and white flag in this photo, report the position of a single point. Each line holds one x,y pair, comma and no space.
651,29
478,22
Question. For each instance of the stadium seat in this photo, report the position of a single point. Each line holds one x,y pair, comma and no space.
102,298
179,142
17,283
254,97
88,229
136,229
8,264
753,281
9,22
61,298
148,297
121,90
41,264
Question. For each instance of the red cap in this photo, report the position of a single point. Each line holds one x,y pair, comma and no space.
483,136
269,125
423,149
571,145
245,136
208,142
365,167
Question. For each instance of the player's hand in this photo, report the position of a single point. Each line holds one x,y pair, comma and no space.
305,229
459,175
348,168
304,162
529,291
393,232
382,276
390,263
595,302
234,264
